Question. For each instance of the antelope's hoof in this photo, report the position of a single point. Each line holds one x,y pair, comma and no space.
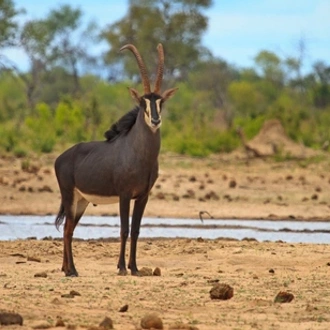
71,274
136,273
122,272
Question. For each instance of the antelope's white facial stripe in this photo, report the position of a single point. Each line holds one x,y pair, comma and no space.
148,114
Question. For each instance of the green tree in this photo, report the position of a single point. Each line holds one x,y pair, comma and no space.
34,38
213,76
179,25
70,43
57,41
320,84
8,24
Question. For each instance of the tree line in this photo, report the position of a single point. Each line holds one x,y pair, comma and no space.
71,92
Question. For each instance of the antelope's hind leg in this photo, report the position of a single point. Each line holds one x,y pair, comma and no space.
73,215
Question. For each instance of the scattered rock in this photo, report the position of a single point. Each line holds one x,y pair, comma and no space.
8,318
221,291
145,271
314,197
284,297
107,323
228,197
271,271
189,194
192,178
123,309
22,188
67,295
41,274
20,255
160,195
232,184
151,321
157,272
176,197
45,188
75,293
213,281
212,195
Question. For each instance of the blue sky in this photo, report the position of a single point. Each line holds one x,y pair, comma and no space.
238,29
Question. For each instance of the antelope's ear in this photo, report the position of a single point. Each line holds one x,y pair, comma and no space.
135,95
168,93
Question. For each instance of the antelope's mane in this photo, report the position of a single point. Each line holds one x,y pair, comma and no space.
122,126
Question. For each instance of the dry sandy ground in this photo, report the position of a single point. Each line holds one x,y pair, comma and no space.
180,295
223,186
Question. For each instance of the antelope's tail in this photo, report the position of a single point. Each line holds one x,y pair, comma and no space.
60,217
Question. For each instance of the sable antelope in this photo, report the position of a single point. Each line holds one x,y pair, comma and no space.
119,169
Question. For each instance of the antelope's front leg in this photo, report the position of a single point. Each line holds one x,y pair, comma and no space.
138,211
68,264
124,205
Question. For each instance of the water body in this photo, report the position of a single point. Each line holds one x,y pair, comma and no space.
94,227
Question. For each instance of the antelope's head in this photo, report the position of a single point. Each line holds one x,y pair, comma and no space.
151,102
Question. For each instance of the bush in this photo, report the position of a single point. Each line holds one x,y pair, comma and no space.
41,132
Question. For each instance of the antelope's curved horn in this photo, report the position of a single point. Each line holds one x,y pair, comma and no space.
142,67
160,69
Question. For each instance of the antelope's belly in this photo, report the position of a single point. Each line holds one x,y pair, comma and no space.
98,199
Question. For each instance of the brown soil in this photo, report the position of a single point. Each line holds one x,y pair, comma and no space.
227,186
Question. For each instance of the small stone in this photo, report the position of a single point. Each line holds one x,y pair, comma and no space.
232,184
160,195
284,297
41,274
7,318
151,321
123,309
221,291
106,323
192,178
157,272
314,197
145,271
67,295
271,271
75,293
